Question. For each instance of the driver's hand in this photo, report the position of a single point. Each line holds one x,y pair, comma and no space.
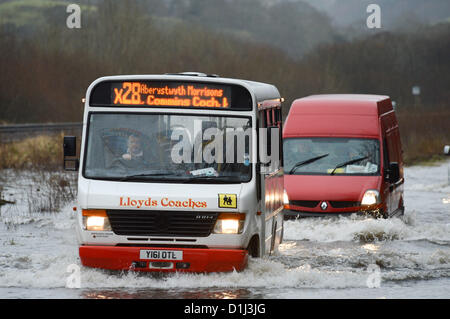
126,156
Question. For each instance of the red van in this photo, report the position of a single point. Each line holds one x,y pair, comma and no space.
342,155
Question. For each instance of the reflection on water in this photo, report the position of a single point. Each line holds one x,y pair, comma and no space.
211,293
371,247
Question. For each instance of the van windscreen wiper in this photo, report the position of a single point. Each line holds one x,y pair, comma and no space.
348,163
306,162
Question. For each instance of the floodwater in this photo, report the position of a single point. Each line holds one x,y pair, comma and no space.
347,257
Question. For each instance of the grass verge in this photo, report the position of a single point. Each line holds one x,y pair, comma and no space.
424,133
41,152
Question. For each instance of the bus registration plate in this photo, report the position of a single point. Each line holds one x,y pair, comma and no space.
161,254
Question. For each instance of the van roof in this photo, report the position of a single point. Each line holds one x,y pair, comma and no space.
343,103
336,115
347,97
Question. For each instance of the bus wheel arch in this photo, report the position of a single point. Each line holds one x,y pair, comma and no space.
253,248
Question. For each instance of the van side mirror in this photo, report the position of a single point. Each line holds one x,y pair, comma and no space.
70,150
393,172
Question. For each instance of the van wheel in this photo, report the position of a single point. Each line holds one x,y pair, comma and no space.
253,247
382,214
401,207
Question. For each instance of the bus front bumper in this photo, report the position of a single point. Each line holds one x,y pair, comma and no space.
193,259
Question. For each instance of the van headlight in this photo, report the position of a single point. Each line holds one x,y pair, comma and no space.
95,220
285,198
229,223
371,197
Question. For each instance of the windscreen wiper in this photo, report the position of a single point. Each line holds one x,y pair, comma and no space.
308,161
148,174
348,163
208,178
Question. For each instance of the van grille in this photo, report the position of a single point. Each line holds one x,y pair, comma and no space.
161,223
334,204
344,204
304,203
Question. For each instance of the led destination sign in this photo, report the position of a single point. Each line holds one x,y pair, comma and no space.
173,94
178,94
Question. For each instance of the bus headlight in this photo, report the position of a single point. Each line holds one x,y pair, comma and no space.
95,220
229,223
371,197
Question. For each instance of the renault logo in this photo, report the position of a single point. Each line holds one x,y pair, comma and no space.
324,205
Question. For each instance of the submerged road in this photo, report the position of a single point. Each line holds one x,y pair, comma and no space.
351,257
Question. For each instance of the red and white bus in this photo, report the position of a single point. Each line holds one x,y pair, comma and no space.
178,172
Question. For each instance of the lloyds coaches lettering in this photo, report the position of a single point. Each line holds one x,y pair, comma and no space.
164,202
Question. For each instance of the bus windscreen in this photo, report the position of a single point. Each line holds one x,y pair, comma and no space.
170,94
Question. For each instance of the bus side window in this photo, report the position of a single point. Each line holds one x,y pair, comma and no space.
271,120
278,118
275,123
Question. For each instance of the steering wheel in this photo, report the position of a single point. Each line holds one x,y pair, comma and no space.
118,163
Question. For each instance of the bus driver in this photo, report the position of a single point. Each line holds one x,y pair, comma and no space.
134,150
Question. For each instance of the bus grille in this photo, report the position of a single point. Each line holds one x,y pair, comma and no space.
161,223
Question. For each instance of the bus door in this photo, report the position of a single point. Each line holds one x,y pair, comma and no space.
271,172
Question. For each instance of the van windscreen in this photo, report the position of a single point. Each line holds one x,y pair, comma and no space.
331,156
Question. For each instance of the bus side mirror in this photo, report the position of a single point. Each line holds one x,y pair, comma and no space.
70,150
70,146
394,172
